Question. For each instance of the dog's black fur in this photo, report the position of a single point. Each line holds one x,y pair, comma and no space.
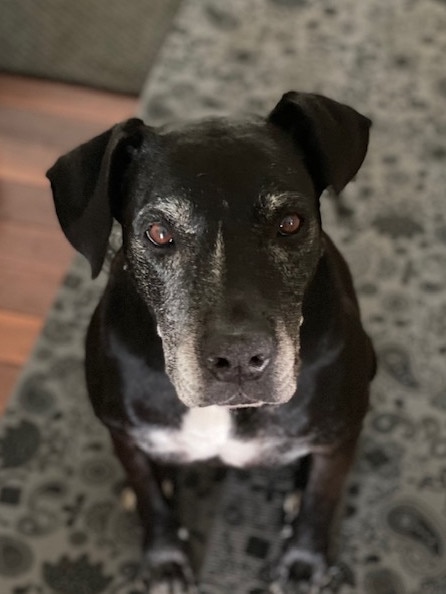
234,309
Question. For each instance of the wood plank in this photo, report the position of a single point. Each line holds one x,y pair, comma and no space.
18,333
27,162
49,130
25,244
27,289
27,203
81,103
33,261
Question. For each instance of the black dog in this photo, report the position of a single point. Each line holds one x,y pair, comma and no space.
229,328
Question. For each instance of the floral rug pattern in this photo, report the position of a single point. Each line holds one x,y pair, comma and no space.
63,528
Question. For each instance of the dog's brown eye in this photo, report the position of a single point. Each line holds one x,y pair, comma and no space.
159,234
289,224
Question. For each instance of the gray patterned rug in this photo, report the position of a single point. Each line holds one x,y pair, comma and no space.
63,527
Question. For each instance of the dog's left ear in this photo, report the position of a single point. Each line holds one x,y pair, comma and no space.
86,185
333,136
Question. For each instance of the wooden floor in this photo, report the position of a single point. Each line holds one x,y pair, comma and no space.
39,120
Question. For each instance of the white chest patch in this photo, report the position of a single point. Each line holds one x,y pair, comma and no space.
208,433
205,433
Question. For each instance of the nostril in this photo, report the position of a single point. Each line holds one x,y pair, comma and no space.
258,361
221,363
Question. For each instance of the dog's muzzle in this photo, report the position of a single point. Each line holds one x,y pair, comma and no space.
235,366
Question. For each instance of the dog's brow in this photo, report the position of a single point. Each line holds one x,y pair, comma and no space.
271,202
175,210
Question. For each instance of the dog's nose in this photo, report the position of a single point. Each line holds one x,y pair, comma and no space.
238,358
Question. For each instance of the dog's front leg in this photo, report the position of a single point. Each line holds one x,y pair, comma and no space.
307,554
165,567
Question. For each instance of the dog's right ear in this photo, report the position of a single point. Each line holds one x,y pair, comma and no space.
334,137
86,185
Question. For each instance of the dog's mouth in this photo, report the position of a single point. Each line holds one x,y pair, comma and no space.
269,392
254,394
248,405
241,400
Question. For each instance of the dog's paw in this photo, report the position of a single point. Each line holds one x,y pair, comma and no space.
168,572
300,570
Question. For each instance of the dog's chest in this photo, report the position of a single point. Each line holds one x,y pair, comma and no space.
210,432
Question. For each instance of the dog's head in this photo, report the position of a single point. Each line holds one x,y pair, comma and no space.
221,234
